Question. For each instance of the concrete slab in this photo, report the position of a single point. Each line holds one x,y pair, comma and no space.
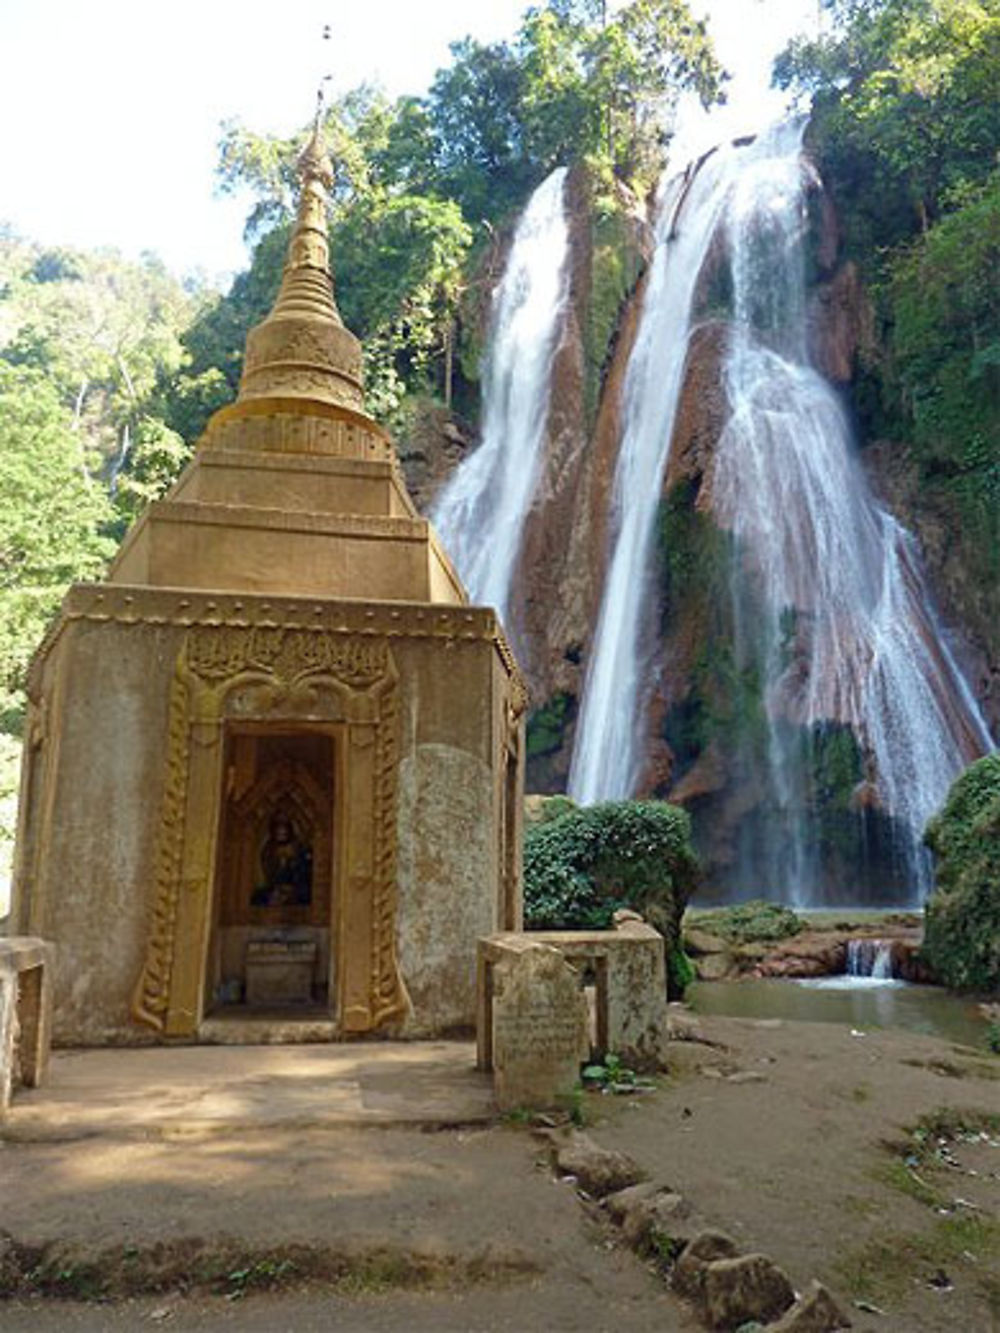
185,1090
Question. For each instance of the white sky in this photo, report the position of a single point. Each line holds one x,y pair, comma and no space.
111,108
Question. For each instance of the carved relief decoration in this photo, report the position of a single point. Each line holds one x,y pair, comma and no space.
272,673
153,992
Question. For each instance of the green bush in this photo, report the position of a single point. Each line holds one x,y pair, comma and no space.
962,919
581,868
547,724
680,971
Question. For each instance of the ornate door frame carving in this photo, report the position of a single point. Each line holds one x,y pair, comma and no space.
273,674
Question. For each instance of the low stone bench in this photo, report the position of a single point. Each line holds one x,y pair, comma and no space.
628,966
25,1012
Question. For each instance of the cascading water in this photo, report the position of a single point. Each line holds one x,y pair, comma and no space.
481,511
608,752
843,627
830,613
870,958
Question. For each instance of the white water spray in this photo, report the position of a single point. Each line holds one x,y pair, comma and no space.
481,511
608,752
870,958
849,633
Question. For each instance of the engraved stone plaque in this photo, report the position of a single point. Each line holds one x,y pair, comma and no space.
540,1030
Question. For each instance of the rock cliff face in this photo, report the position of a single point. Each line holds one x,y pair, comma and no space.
561,570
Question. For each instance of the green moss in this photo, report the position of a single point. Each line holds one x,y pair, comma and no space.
615,267
680,971
547,725
749,922
724,697
836,765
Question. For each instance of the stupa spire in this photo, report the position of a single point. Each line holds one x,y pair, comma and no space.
302,349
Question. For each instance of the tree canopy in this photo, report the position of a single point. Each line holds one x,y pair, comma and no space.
109,369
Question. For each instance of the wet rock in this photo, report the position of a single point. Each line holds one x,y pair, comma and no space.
814,1312
738,1291
599,1171
705,1248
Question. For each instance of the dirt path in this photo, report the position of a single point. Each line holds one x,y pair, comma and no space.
777,1133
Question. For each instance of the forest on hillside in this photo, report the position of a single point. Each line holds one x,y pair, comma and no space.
109,369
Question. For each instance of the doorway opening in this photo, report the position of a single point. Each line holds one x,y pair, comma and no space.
276,873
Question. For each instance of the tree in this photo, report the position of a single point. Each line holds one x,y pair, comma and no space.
906,105
106,333
51,520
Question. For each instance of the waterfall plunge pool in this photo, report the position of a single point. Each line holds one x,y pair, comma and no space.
858,1002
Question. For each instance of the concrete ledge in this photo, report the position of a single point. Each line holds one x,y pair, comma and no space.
627,968
25,1013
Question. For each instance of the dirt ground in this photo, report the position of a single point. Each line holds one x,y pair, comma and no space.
793,1137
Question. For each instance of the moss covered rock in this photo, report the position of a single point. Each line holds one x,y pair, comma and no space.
962,922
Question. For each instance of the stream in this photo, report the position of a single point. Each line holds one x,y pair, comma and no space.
859,1002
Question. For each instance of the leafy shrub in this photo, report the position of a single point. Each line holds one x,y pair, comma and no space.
748,922
543,809
680,971
547,724
581,868
962,918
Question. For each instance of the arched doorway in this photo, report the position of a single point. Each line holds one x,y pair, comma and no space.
276,871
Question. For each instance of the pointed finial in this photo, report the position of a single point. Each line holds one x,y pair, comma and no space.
302,349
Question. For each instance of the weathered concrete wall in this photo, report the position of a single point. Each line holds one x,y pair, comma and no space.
447,881
98,782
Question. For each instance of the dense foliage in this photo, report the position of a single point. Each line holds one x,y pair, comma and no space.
581,867
906,124
962,928
111,368
50,519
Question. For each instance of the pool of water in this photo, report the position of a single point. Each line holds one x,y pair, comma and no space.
857,1002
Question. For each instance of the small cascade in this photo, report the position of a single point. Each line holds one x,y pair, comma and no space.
870,958
481,511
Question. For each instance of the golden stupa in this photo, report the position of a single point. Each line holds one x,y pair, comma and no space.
274,767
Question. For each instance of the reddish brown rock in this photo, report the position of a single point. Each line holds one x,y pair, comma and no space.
840,324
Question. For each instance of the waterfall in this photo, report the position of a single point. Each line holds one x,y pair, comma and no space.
870,958
844,627
481,511
608,752
829,602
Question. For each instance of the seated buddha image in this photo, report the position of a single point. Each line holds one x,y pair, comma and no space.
285,867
